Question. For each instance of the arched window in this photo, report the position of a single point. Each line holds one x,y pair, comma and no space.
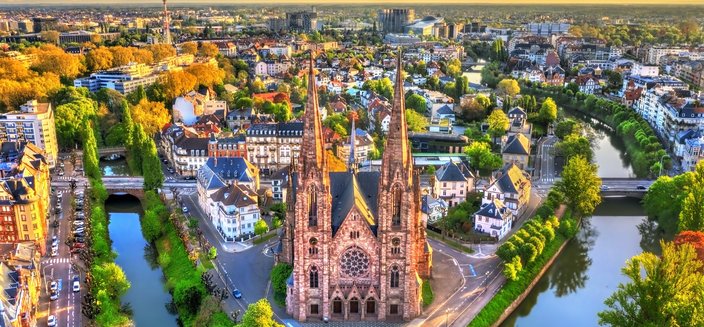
313,250
395,245
394,276
313,277
396,206
312,207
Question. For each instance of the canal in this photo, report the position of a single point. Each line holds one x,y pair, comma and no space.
116,167
588,270
147,296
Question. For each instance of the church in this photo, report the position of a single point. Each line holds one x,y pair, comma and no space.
355,239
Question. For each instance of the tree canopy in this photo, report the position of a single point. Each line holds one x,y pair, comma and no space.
580,185
498,123
151,115
508,87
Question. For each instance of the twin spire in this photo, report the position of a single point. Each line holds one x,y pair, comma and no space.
397,150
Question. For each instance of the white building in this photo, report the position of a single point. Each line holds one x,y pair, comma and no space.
493,218
34,123
453,181
432,209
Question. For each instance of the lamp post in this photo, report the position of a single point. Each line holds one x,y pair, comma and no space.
661,158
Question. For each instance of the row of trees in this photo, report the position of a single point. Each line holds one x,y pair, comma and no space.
676,202
526,245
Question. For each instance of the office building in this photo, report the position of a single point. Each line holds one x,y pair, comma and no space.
34,123
394,20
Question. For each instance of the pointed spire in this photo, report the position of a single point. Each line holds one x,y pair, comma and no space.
352,162
397,149
312,149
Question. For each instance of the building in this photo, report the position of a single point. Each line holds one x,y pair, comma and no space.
362,146
653,54
516,150
122,79
303,21
42,24
512,187
432,209
355,239
189,107
437,142
547,29
24,194
187,150
275,145
20,280
453,182
493,218
425,26
394,20
588,84
33,123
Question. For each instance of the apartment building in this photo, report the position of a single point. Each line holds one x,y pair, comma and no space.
512,187
20,279
33,123
453,181
271,146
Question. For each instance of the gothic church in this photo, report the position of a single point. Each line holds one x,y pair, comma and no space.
355,240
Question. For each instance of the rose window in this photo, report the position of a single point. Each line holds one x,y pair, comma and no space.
354,262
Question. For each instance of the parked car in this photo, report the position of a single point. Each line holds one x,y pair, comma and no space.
78,245
78,223
54,286
61,172
54,296
54,251
51,321
237,294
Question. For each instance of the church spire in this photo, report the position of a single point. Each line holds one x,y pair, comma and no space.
312,150
397,150
352,161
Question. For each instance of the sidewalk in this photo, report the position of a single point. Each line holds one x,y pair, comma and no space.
231,247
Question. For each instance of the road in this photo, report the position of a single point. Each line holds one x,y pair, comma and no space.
67,308
546,160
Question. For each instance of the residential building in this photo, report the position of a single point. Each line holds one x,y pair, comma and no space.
493,218
192,105
394,20
519,123
653,54
516,150
274,145
453,182
690,71
362,146
511,186
33,123
280,183
547,28
432,209
187,150
20,279
423,26
438,142
588,84
303,21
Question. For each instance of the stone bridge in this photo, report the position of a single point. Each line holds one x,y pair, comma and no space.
635,188
108,151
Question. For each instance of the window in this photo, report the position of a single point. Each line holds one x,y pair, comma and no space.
314,309
313,250
396,206
371,306
313,277
444,184
312,207
354,305
337,305
396,246
393,309
354,235
24,228
354,262
394,277
24,218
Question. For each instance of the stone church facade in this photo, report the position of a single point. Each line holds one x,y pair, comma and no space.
355,240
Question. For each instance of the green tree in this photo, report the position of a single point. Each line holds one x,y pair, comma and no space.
415,121
661,291
508,87
567,127
259,314
417,103
498,123
188,295
548,111
692,214
461,86
110,278
260,227
481,157
152,227
151,165
575,145
580,185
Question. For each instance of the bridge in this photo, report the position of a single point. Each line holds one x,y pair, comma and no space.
625,187
108,151
127,185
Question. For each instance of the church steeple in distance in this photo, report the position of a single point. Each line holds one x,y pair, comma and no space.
352,161
312,150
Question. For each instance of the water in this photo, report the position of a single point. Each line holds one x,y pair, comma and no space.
474,76
147,295
116,167
588,270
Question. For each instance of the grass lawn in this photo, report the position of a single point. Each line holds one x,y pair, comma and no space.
450,242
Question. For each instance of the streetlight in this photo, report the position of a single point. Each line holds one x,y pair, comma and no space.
661,158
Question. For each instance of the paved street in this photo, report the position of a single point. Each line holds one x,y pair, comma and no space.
545,159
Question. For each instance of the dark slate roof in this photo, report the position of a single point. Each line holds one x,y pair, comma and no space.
192,143
494,209
236,194
215,173
511,177
517,111
517,144
445,110
347,190
453,172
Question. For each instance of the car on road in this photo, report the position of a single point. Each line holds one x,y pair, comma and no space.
51,321
237,294
604,188
54,296
61,172
76,284
54,286
78,245
54,251
78,223
184,209
641,187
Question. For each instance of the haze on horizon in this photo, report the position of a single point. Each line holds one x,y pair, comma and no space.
371,2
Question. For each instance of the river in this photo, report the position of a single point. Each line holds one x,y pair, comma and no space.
117,167
147,295
588,270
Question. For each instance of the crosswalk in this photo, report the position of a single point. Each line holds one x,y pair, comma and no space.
63,178
57,260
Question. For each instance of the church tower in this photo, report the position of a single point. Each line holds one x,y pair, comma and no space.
311,222
401,234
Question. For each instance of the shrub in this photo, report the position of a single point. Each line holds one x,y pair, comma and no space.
279,275
427,293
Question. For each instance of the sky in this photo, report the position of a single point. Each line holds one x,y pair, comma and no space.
375,2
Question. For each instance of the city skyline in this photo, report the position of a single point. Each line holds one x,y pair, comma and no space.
339,2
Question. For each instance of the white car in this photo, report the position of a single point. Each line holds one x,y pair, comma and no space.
76,285
54,286
54,296
51,321
184,209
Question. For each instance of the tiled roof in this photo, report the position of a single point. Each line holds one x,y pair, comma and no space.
453,172
494,209
517,144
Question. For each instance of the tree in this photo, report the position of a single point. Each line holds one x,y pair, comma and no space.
151,226
206,74
575,145
481,157
453,67
662,291
151,115
99,59
417,103
161,51
338,123
415,121
580,185
461,86
209,50
692,214
259,314
151,165
548,111
508,87
498,123
244,102
142,56
177,83
121,55
188,295
382,87
279,274
189,48
260,227
53,59
567,127
110,277
50,36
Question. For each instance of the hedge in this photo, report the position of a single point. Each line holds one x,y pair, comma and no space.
427,293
